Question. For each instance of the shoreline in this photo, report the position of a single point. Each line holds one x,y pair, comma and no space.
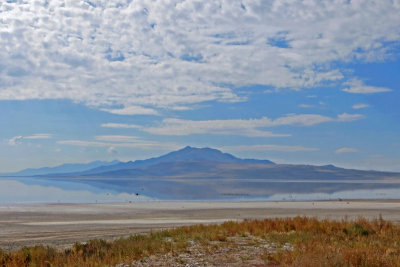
60,225
373,200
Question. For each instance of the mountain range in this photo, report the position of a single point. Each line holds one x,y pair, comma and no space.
187,154
192,162
202,163
64,168
206,173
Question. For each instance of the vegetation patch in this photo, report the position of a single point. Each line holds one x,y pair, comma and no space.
298,241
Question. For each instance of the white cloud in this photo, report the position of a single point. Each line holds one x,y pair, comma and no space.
121,125
346,150
185,127
132,110
144,55
15,140
360,106
140,144
270,148
221,127
39,136
349,117
250,127
181,108
18,139
300,120
83,143
118,138
356,86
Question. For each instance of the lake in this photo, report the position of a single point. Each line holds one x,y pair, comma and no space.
92,190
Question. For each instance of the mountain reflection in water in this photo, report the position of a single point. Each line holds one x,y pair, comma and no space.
57,190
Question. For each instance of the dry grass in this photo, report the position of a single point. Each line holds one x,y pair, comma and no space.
312,242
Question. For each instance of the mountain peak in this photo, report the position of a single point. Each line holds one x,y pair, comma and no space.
191,148
189,153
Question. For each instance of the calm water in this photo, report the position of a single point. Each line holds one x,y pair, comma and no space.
63,190
32,190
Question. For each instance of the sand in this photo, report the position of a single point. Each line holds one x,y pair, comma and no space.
61,225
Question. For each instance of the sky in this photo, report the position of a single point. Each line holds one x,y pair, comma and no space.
302,82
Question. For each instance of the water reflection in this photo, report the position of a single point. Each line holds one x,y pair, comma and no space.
89,190
28,191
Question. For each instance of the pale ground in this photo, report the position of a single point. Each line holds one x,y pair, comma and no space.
61,225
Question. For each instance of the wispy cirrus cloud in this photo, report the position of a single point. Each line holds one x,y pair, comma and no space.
220,127
39,136
118,138
120,125
144,55
281,148
18,139
242,127
132,110
346,150
112,142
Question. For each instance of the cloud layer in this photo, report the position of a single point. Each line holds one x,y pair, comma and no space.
250,127
133,57
119,141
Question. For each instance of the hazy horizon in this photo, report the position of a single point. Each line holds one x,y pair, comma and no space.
116,160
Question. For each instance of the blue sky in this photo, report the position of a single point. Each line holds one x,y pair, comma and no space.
291,81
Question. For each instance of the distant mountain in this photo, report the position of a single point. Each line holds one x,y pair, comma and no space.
64,168
197,154
206,173
186,154
201,163
107,168
243,170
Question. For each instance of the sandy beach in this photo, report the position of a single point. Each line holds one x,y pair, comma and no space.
61,225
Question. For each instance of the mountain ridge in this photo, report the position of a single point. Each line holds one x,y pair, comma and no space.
232,170
59,169
204,162
185,154
206,173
